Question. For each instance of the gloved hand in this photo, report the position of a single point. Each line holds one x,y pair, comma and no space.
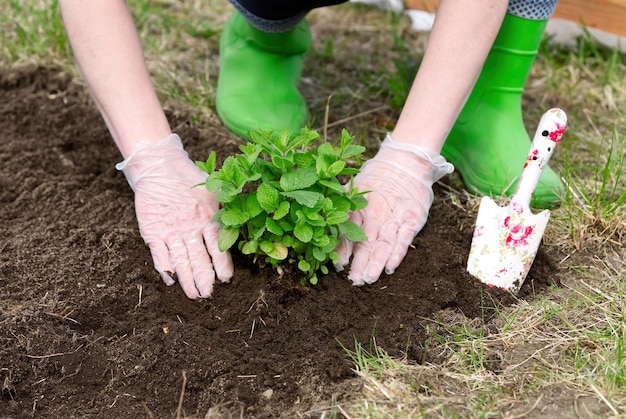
175,217
400,179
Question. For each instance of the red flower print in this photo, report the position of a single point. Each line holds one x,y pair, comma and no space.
557,134
518,235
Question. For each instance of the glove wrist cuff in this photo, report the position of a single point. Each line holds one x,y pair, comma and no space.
148,156
440,167
141,147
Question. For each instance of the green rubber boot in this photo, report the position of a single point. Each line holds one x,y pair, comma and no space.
258,78
489,143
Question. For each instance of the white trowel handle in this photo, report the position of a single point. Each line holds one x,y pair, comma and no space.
549,132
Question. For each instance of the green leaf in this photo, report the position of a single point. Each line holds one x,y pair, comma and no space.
336,217
319,231
227,237
319,223
306,198
349,171
283,140
245,166
327,205
304,266
253,178
303,160
306,137
353,232
287,241
357,202
319,254
267,197
328,150
276,251
352,150
251,151
303,232
227,195
317,207
233,172
298,246
213,184
313,216
210,164
281,162
321,241
280,251
298,179
324,269
333,185
250,247
269,173
336,168
331,245
273,227
346,139
285,225
263,138
266,246
283,209
253,208
322,164
341,203
260,229
233,218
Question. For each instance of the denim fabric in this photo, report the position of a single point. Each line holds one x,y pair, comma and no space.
278,15
275,16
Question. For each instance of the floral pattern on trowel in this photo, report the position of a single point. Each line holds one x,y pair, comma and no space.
506,239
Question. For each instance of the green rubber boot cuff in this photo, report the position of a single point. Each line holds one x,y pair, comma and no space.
257,86
489,143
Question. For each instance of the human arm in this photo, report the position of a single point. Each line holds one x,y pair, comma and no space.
399,203
174,218
108,51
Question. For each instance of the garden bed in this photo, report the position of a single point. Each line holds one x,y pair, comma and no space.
87,328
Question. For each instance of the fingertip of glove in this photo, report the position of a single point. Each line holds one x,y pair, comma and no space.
368,280
356,280
206,294
226,279
225,272
167,278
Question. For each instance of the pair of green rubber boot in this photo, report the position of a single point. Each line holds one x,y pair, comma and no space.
258,89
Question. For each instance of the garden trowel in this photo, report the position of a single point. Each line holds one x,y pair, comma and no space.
506,239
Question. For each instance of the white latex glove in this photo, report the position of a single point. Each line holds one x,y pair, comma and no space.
175,217
400,179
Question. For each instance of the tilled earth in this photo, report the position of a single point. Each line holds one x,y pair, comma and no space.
87,328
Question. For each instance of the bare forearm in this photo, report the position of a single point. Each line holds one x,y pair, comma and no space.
459,43
108,51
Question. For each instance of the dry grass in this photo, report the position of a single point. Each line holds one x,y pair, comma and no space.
564,354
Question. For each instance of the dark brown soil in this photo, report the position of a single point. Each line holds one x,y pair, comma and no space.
87,328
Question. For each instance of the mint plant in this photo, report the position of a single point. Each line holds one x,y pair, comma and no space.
282,199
